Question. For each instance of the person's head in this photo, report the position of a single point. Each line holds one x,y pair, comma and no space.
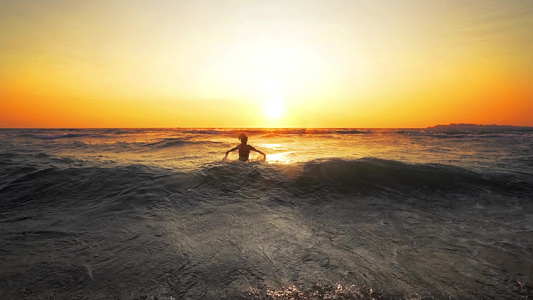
243,138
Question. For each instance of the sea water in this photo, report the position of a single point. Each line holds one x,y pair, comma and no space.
353,213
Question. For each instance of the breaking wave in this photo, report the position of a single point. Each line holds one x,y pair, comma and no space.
136,184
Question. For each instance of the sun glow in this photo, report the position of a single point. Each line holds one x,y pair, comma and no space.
274,108
274,63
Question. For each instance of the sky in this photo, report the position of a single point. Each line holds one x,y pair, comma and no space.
291,63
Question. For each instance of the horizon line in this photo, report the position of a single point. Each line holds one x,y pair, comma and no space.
272,128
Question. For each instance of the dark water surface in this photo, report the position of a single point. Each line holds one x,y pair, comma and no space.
156,214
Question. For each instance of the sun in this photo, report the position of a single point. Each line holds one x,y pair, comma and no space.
274,108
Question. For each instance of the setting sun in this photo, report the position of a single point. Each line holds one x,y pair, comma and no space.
274,108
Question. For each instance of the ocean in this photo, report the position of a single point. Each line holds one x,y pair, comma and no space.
443,212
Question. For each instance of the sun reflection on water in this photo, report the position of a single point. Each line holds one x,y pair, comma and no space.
280,158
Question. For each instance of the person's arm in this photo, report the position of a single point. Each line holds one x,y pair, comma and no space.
226,156
232,150
259,151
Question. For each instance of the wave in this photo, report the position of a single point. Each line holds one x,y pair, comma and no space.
209,131
277,131
380,174
176,142
367,175
126,187
61,136
266,132
352,131
168,142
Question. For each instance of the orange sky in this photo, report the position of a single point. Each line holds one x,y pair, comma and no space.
265,63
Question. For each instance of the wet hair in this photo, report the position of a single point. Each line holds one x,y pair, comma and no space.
243,138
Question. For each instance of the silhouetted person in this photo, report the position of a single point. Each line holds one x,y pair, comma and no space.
244,149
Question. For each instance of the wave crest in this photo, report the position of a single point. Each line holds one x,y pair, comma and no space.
124,186
176,142
366,175
61,136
